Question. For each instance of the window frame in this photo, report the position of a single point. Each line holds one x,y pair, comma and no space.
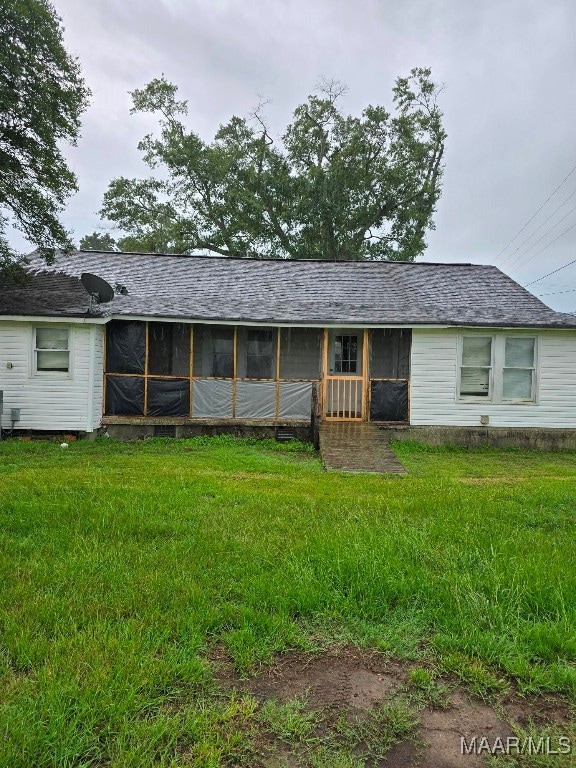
48,373
498,365
346,360
477,398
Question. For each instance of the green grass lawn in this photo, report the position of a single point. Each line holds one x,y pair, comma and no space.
123,563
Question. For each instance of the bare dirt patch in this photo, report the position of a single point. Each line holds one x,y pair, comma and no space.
350,684
349,678
539,710
443,731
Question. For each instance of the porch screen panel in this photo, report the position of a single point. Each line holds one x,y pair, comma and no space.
255,399
217,345
125,346
260,353
169,349
214,351
223,352
388,400
168,397
390,353
124,396
212,398
295,399
198,350
300,353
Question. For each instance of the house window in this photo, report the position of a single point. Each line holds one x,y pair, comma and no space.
476,368
498,368
345,354
259,353
51,350
518,373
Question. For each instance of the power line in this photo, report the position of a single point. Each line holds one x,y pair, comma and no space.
557,293
510,266
559,268
551,243
554,212
536,214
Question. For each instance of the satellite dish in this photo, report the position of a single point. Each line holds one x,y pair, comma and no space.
98,288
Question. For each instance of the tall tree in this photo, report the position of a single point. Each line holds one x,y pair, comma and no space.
334,187
42,96
98,241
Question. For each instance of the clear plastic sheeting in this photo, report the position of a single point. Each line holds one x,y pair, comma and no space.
389,400
124,396
295,399
125,346
168,397
255,399
212,398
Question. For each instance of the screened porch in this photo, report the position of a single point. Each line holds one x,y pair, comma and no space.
195,371
201,371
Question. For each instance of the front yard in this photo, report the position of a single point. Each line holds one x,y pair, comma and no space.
142,582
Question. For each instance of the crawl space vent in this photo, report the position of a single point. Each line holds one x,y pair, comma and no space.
164,431
283,434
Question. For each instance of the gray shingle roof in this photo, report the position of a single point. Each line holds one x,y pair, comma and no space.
45,293
277,291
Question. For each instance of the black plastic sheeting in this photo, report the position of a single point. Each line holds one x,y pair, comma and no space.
125,346
168,397
124,396
388,401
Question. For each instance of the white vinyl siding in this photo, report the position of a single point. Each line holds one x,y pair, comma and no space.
98,332
50,400
435,365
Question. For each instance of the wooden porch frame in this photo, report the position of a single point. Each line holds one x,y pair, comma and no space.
327,380
276,380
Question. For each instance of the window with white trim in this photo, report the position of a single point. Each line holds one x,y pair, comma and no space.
476,366
519,371
51,350
498,368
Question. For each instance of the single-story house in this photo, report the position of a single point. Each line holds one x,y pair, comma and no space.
189,343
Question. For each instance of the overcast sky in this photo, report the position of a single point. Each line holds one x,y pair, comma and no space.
509,69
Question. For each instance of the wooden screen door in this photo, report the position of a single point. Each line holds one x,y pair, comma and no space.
344,374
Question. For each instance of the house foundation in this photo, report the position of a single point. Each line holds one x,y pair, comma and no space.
141,429
533,438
